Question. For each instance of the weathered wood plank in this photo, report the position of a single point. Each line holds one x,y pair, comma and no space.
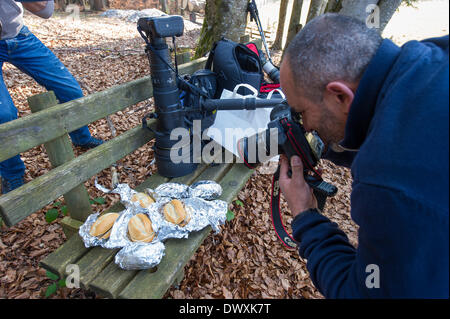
152,182
60,151
27,132
234,180
23,201
179,251
111,280
70,226
93,262
69,253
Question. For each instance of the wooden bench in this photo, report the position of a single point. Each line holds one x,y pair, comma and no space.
49,125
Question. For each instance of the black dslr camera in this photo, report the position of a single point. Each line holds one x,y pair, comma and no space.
286,135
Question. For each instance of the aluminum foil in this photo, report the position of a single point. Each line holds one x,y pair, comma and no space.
88,240
123,190
140,256
201,212
199,201
173,190
208,190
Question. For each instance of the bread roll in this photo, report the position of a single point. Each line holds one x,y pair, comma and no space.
102,226
143,199
174,212
140,228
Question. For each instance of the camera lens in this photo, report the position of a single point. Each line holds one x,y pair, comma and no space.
259,148
272,72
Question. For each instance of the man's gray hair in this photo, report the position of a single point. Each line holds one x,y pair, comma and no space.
329,48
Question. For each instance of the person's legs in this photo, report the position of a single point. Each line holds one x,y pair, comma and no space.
14,167
32,57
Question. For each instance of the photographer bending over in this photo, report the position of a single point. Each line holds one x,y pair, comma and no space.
383,110
21,48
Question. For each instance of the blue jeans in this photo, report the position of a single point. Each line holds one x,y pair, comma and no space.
31,56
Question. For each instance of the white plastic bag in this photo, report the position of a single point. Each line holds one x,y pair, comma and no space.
239,123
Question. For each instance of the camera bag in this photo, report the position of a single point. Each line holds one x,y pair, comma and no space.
204,81
235,63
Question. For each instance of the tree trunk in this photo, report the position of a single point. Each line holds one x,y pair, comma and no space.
294,23
334,6
315,9
164,6
223,18
61,4
278,43
387,10
97,5
356,8
359,10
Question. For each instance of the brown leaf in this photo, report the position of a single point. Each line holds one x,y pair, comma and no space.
226,293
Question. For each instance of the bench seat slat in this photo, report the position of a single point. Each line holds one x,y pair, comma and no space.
93,263
69,253
25,200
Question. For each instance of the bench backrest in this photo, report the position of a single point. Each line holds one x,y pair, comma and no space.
50,127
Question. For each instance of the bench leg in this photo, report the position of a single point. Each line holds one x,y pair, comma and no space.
70,226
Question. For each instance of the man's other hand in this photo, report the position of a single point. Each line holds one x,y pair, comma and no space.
35,6
43,9
296,191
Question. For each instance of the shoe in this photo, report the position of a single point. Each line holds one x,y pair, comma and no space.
11,183
93,142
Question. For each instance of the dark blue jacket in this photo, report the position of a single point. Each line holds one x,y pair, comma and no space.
399,123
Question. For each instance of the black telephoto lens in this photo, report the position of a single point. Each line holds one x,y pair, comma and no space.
170,113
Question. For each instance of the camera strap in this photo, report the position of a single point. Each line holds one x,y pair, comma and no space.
275,213
321,191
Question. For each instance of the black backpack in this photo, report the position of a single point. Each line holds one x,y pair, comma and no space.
234,63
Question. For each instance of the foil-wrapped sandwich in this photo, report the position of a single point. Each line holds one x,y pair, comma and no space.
101,228
140,229
175,213
143,199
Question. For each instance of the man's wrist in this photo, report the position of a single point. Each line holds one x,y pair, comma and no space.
297,221
305,212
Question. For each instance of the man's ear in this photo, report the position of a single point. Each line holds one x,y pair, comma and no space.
340,94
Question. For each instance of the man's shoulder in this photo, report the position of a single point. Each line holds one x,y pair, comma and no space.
437,44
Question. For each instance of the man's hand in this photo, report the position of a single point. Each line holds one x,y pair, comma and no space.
296,191
35,6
